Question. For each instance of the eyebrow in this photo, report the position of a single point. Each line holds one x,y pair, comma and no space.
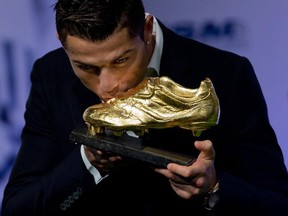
122,54
113,60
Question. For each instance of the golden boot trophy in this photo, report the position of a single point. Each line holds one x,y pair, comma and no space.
157,102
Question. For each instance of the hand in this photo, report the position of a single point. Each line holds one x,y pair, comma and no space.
103,161
198,178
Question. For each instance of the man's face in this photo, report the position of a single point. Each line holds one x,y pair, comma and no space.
111,66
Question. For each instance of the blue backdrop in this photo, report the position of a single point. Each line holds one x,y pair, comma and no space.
256,29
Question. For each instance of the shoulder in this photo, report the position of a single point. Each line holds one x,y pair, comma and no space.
56,56
52,67
190,47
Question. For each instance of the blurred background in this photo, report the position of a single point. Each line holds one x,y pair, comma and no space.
255,29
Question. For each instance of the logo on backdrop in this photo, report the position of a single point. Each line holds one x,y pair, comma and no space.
228,33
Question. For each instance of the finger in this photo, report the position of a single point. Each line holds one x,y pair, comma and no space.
162,171
93,150
99,152
184,191
173,176
115,158
182,170
206,149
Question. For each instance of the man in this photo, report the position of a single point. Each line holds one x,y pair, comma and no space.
107,47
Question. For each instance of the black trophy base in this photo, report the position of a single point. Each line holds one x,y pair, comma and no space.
129,146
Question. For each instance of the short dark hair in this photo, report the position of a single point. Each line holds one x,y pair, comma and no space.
96,20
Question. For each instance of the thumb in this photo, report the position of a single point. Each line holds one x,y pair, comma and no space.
206,149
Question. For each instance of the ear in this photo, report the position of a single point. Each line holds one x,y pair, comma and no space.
148,29
57,35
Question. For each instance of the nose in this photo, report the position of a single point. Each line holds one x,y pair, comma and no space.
109,83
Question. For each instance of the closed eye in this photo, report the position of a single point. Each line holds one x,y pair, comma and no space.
89,68
84,67
121,60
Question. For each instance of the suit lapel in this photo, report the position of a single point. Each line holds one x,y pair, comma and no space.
79,98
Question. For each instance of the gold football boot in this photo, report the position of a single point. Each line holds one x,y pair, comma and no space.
157,102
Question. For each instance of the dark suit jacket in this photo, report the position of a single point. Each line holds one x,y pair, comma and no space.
49,176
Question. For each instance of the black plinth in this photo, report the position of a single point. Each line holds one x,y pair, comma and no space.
129,146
